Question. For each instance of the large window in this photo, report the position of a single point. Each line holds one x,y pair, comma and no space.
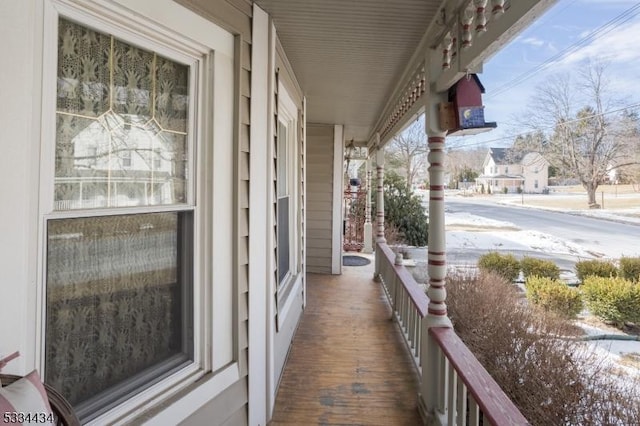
287,165
120,238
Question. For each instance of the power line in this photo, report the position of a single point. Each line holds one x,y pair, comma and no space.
514,136
609,26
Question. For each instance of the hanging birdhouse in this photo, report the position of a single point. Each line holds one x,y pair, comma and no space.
464,113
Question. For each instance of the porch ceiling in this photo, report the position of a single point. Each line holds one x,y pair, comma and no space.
349,56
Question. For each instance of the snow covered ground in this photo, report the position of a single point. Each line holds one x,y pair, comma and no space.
628,215
465,230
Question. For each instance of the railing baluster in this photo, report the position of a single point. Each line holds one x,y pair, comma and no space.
401,301
452,394
444,383
461,407
474,412
411,323
418,349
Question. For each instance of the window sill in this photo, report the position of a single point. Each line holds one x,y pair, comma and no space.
174,399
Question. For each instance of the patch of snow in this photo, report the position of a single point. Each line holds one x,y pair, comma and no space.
468,219
505,240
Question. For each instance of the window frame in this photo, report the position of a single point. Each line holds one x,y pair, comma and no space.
288,114
288,118
117,20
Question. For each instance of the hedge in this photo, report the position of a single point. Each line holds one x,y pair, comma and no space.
630,268
505,265
614,299
532,266
554,296
598,268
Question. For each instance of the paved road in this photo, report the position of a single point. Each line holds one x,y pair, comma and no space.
603,238
608,238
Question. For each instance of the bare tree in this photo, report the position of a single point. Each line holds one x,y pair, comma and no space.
407,152
464,164
630,124
587,141
524,144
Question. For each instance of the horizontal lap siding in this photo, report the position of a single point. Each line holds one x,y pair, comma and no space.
231,406
319,198
243,215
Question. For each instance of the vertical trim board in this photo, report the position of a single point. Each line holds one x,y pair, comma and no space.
336,232
258,223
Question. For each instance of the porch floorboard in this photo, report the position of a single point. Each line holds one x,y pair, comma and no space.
348,364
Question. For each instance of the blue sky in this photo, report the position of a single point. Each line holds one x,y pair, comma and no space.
565,24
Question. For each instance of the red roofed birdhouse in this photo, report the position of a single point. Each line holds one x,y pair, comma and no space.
464,113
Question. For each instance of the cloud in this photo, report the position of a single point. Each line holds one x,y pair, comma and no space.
617,46
609,3
533,41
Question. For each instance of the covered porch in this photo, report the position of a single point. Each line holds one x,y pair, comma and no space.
363,354
347,363
365,79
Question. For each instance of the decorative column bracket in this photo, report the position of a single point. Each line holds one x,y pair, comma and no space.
461,27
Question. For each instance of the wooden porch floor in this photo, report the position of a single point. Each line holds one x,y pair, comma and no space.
348,364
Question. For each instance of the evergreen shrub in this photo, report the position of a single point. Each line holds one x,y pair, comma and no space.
630,268
542,268
613,299
505,265
554,296
598,268
403,210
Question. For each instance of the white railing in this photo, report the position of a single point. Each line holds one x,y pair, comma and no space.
455,387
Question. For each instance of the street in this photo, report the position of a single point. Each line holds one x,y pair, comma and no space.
584,237
601,237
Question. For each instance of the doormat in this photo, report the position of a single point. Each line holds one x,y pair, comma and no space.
350,260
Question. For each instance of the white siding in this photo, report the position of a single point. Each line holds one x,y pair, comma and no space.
320,198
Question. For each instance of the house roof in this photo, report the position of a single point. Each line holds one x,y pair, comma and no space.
505,156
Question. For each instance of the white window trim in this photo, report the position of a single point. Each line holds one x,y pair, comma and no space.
212,69
291,284
288,115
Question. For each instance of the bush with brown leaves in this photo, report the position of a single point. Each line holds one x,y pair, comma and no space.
537,358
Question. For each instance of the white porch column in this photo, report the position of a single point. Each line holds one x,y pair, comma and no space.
379,204
437,266
380,200
368,228
433,384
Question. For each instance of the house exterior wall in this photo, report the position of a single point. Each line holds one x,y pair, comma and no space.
535,173
489,167
510,169
320,195
288,294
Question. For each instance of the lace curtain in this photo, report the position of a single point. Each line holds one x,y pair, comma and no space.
122,116
114,300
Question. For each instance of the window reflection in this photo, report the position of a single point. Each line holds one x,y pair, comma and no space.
121,132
